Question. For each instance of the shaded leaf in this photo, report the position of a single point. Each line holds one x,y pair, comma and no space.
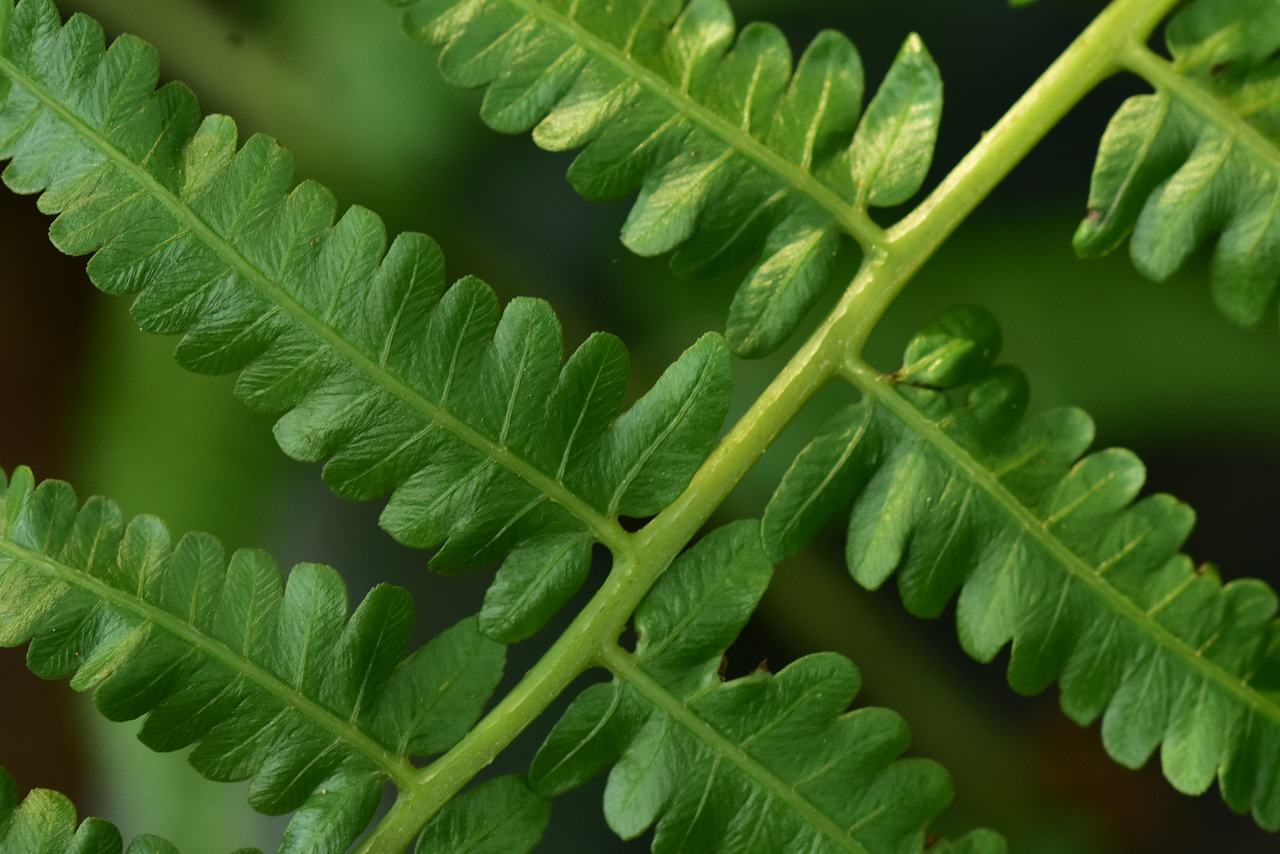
499,816
269,681
337,813
532,585
759,764
1199,160
955,489
735,155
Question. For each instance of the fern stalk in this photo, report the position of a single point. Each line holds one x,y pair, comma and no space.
1102,50
1106,47
1114,42
1098,53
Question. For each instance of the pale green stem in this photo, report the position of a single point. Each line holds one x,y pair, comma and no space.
637,566
1096,54
641,560
577,649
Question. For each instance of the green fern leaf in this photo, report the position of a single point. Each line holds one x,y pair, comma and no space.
1200,157
462,410
44,822
894,143
764,763
270,682
1051,552
500,816
735,156
532,584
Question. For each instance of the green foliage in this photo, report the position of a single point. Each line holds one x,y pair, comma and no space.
483,437
497,817
954,489
497,448
737,156
270,682
44,822
763,763
1200,157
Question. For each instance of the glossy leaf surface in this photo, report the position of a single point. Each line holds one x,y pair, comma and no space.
462,409
499,816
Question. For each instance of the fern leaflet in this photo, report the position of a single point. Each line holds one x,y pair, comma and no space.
736,156
1200,157
759,764
1049,552
463,411
270,682
44,822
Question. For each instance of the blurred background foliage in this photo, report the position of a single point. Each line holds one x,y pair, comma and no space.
364,112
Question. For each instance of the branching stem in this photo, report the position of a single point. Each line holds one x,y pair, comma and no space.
1095,55
1098,53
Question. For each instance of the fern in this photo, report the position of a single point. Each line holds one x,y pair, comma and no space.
1048,552
270,682
324,320
495,447
773,763
44,822
736,155
1199,157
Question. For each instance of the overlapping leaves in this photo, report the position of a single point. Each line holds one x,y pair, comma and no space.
1200,158
488,439
1050,551
735,155
762,764
270,682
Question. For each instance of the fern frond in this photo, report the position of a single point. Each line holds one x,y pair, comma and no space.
1200,158
44,822
762,764
499,816
1050,551
270,682
735,154
464,412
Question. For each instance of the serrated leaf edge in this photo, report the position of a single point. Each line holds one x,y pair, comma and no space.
854,220
623,665
872,384
397,767
606,530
